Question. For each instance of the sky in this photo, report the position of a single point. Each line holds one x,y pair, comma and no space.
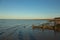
29,9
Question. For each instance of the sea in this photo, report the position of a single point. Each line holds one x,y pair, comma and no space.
21,29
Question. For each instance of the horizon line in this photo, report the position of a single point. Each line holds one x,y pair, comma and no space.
38,19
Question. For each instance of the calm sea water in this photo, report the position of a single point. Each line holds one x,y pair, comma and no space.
13,29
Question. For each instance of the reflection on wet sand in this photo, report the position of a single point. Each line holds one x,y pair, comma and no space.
47,27
47,32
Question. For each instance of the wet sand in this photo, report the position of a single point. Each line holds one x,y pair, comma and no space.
19,32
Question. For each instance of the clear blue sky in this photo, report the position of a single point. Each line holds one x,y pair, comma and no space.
29,9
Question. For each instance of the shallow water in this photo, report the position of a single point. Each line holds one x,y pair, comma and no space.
22,30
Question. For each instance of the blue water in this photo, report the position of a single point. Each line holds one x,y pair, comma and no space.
15,29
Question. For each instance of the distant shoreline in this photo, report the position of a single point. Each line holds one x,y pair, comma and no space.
27,19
